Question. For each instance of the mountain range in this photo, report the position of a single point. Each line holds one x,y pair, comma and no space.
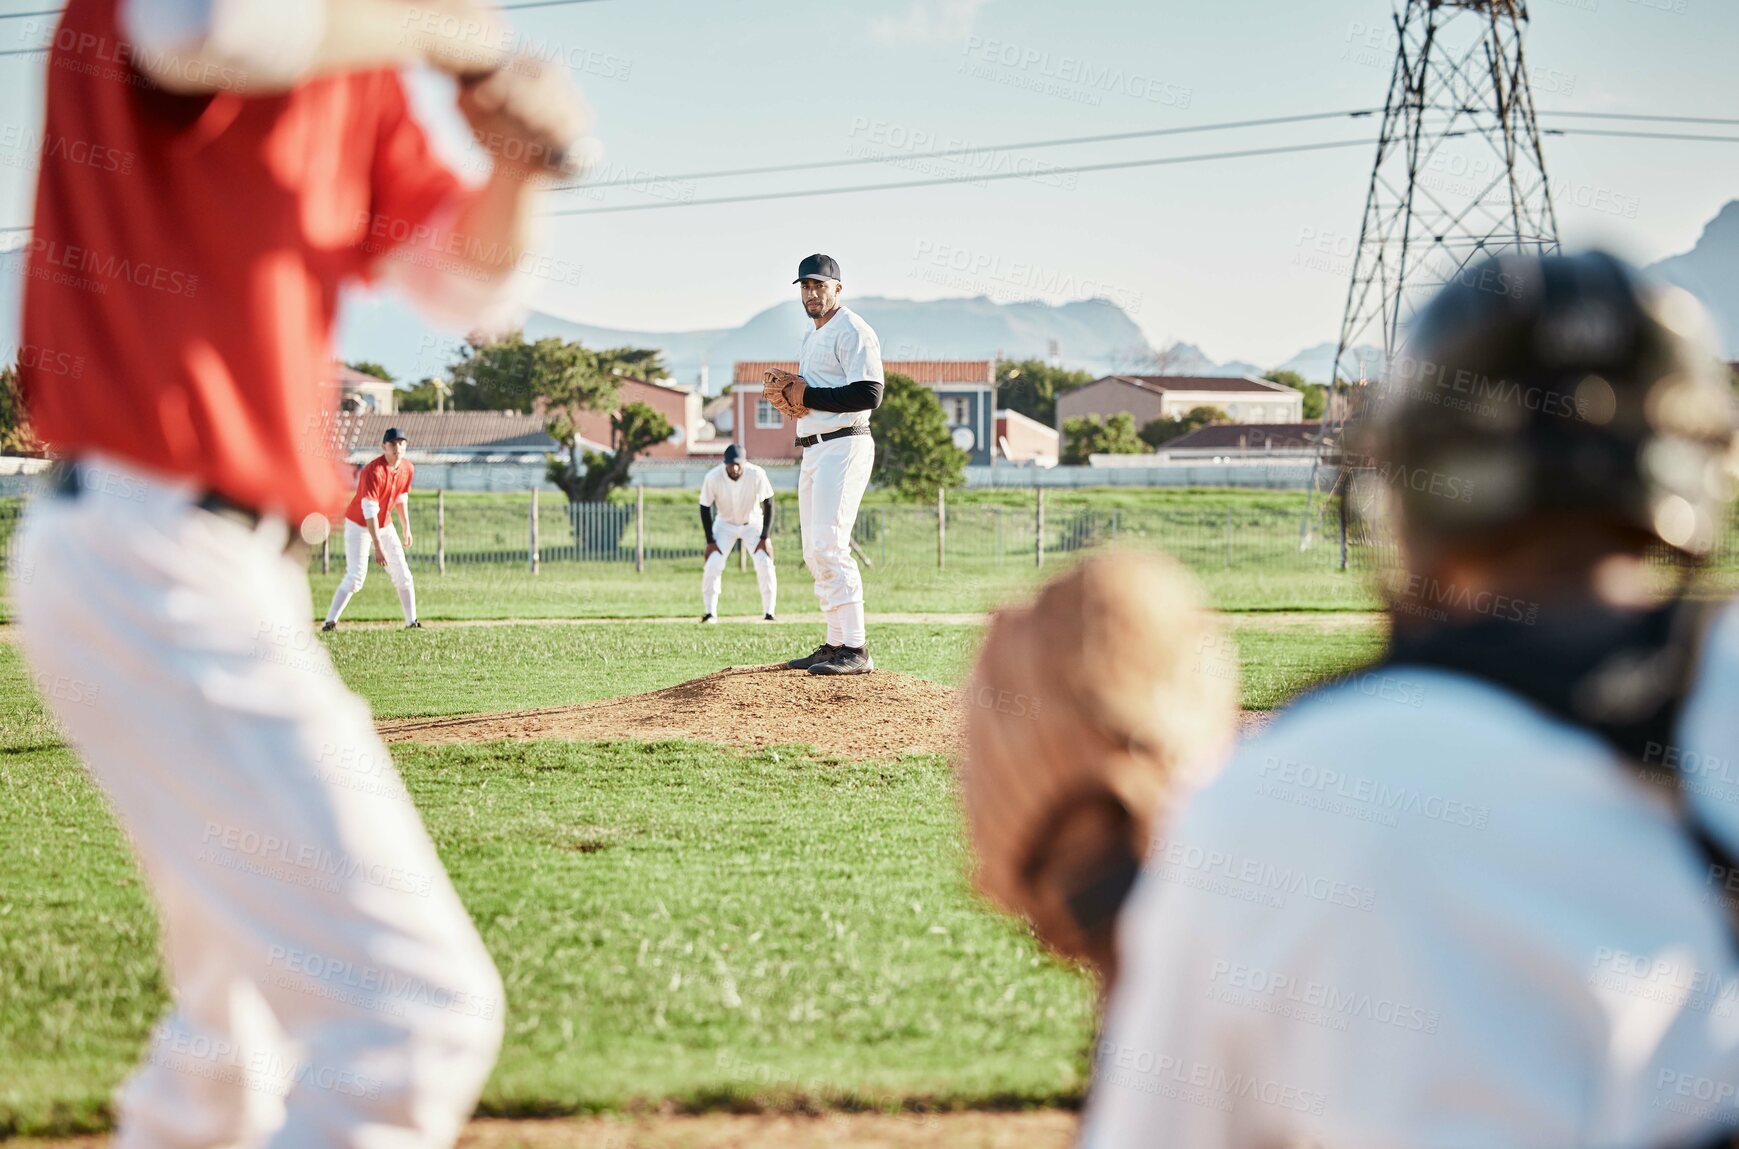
1094,335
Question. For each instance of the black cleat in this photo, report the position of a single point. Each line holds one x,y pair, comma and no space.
822,654
708,619
768,618
414,624
326,626
846,660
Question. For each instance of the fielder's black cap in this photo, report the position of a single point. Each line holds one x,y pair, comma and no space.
817,267
733,454
393,434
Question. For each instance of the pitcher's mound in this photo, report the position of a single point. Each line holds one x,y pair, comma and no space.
859,716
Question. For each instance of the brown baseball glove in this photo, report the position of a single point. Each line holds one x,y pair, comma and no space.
1088,711
785,391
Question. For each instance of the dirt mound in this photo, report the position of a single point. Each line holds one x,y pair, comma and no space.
858,716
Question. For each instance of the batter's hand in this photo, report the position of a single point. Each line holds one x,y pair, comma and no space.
765,546
529,117
379,557
1088,713
462,37
711,550
407,538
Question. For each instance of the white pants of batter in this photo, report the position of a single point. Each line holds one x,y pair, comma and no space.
329,988
830,485
358,553
727,536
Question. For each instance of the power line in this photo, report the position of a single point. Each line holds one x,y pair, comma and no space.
1641,135
1064,141
500,7
1105,167
1640,116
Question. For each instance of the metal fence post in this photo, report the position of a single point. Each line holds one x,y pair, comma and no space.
640,529
1228,538
1039,534
941,528
326,552
1113,526
533,551
441,532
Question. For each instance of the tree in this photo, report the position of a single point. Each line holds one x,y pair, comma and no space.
634,428
1087,435
565,380
369,367
915,455
1315,394
1169,427
510,374
16,437
1031,386
425,396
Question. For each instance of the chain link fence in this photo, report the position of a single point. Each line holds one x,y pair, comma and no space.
522,530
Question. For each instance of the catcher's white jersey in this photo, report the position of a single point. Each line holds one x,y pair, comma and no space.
1426,914
842,350
736,501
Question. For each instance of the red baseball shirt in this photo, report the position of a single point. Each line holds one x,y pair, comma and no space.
382,484
197,276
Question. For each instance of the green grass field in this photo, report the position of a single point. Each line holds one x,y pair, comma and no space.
676,922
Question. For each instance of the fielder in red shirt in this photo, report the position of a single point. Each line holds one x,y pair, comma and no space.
382,487
276,159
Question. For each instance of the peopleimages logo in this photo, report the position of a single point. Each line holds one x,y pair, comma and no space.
1237,983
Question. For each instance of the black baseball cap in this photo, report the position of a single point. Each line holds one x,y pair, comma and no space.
818,266
393,434
733,454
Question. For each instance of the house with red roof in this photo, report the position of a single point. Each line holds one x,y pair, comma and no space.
965,388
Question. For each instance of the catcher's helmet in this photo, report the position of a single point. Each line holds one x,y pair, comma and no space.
1534,384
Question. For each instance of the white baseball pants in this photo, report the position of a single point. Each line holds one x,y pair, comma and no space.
358,553
830,486
329,988
727,536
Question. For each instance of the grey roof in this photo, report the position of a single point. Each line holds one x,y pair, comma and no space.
1247,436
459,432
1231,383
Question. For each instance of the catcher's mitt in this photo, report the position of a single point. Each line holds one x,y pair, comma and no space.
1086,711
785,391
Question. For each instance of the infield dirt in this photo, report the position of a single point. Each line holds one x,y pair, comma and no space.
857,716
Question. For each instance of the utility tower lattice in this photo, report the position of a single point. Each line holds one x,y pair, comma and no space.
1459,174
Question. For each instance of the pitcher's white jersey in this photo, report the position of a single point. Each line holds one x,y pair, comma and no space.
843,350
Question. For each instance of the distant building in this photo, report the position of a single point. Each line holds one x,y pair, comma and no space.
1026,441
1150,397
497,435
964,387
1244,440
678,403
355,393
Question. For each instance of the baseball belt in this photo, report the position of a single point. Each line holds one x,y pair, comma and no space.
842,433
67,480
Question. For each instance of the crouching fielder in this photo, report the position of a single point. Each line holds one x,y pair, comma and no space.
838,385
385,484
736,506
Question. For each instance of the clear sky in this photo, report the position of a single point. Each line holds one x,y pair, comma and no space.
1230,255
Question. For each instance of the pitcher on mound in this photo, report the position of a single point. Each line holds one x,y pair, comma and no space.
839,382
